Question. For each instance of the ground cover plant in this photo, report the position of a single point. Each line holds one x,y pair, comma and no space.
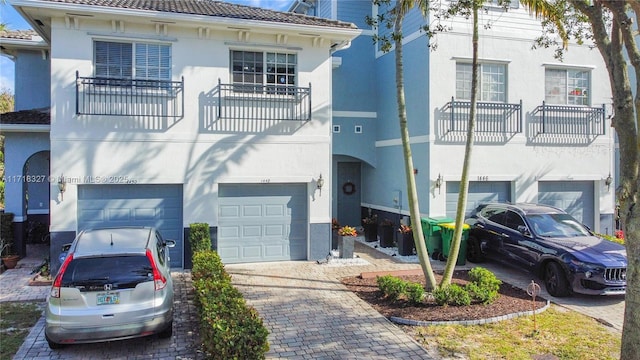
16,320
557,332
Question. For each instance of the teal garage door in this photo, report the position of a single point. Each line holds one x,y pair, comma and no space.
262,222
159,206
479,192
574,197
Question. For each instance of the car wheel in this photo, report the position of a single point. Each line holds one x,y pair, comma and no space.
555,280
53,345
166,333
474,251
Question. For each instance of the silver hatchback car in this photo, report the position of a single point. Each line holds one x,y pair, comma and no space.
114,283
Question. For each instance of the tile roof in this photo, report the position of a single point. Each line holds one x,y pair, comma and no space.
26,117
212,8
18,34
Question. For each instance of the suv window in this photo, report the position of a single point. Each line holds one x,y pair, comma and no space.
122,272
496,215
514,220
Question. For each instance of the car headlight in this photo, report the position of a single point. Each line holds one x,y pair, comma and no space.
588,268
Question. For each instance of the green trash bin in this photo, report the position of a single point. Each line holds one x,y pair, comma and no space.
447,230
432,234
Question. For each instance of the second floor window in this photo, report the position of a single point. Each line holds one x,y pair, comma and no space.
492,84
132,60
252,71
567,86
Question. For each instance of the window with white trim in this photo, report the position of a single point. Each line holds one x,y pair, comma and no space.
492,84
567,86
252,71
132,60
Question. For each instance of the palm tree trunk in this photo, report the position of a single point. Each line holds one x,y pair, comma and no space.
414,206
464,181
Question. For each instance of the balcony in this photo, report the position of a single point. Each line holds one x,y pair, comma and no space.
570,120
491,117
263,102
129,97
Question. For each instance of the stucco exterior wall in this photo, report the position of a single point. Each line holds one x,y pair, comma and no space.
184,151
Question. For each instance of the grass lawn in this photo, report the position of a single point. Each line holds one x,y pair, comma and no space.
16,320
562,333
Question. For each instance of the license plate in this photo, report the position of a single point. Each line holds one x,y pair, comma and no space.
108,298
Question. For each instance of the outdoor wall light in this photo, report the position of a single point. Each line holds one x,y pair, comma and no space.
320,183
608,181
438,183
62,186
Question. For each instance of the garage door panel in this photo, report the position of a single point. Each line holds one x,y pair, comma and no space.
251,231
154,205
264,221
479,192
229,211
275,230
274,210
252,211
574,197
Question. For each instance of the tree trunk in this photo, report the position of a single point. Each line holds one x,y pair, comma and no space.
464,181
625,121
412,192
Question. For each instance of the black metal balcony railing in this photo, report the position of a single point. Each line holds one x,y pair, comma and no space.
491,117
129,97
571,120
263,102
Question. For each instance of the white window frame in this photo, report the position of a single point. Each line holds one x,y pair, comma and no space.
488,88
270,68
572,88
139,65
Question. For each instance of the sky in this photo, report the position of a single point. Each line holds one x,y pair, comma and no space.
15,22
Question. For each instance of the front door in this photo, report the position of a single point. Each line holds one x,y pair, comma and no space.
349,193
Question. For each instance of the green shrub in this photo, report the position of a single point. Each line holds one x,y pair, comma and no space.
199,237
414,292
453,294
484,285
229,328
391,286
394,288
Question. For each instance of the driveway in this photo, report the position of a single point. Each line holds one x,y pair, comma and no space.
309,313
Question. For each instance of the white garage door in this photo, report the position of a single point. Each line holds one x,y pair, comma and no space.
262,222
479,192
574,197
159,206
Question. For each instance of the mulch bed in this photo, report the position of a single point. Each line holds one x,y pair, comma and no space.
511,300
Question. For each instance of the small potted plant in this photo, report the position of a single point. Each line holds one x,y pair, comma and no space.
346,241
9,258
370,224
405,244
386,233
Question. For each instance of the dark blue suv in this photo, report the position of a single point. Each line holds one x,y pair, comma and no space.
566,255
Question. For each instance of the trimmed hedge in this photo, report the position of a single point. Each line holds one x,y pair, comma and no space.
199,237
6,226
229,328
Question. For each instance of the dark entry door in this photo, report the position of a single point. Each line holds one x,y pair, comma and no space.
349,193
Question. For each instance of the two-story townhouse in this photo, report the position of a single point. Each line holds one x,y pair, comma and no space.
166,113
543,125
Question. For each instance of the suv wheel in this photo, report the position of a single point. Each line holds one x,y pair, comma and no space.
166,333
555,280
474,250
53,345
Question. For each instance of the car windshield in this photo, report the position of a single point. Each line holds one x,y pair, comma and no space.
556,225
